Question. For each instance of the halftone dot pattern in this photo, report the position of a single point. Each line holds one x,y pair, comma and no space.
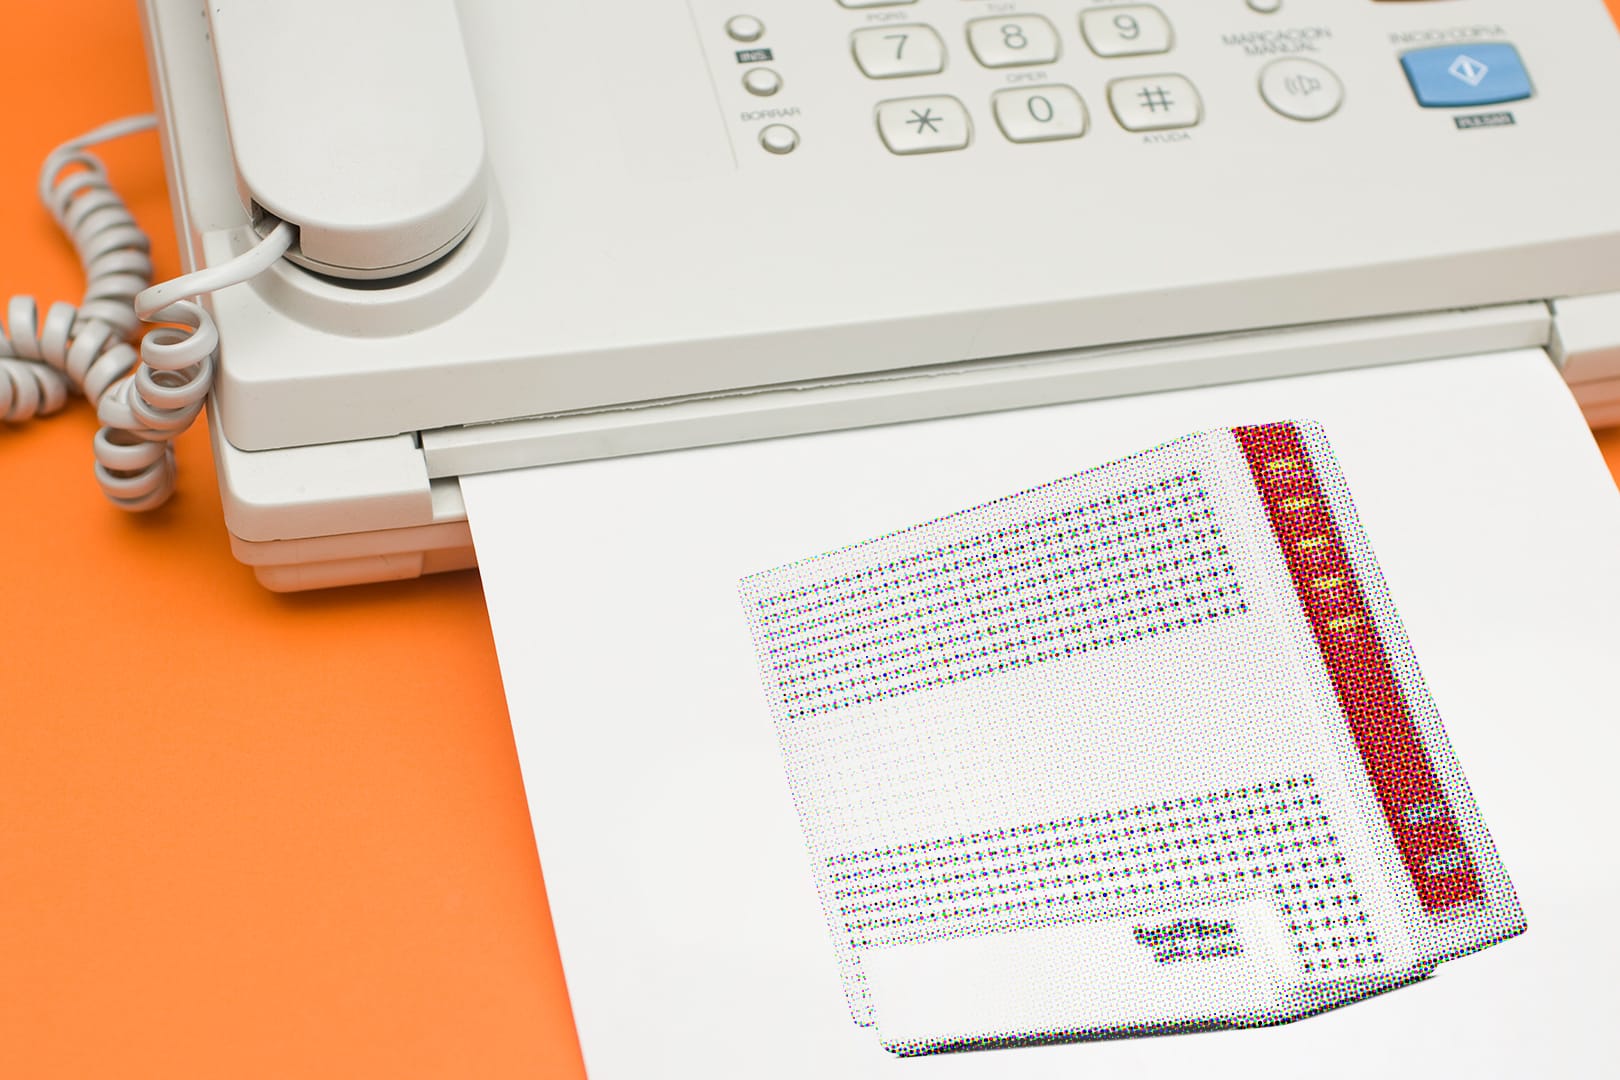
1375,708
1131,565
1273,836
1150,731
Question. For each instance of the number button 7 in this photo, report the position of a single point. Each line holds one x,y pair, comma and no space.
889,52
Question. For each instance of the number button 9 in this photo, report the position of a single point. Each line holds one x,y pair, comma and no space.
1127,30
1012,41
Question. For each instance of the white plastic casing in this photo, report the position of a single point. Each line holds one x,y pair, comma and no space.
1586,344
640,246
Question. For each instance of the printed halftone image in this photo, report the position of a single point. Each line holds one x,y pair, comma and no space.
1143,749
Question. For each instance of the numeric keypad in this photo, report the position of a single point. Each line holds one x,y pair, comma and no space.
1033,110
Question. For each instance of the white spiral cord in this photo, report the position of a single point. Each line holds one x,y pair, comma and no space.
144,399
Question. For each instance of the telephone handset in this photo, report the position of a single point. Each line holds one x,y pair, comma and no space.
358,155
356,123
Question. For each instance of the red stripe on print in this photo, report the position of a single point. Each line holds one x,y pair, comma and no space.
1380,720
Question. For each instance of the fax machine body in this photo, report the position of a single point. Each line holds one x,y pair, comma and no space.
651,270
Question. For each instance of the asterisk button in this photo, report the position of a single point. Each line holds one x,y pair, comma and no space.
923,125
925,120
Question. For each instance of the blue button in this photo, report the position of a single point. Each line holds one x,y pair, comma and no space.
1462,75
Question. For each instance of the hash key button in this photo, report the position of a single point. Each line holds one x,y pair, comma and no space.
1155,103
1459,76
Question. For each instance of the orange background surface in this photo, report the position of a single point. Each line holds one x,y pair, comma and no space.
241,835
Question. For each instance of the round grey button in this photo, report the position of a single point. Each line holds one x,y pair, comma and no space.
779,138
1265,7
745,28
1301,89
762,82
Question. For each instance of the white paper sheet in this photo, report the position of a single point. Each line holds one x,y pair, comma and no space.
689,928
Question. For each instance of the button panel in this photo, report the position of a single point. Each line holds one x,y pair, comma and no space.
891,52
924,125
1013,41
901,39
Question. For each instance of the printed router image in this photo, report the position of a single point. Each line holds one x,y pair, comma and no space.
1143,749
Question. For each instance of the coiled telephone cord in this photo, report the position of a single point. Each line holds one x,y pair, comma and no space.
144,399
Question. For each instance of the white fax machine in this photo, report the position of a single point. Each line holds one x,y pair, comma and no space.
533,233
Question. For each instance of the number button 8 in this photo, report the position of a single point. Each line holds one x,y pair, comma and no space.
1012,41
1128,30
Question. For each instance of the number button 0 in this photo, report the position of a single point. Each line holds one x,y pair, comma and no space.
1130,30
1013,41
889,52
1040,113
